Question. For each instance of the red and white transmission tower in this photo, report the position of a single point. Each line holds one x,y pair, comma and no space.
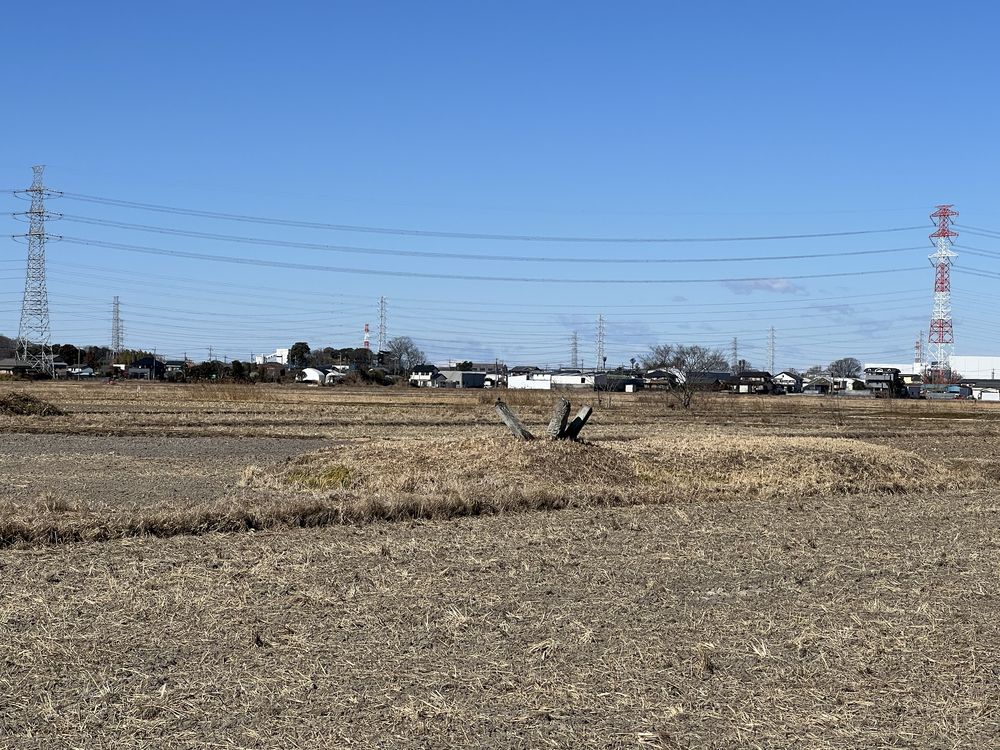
941,337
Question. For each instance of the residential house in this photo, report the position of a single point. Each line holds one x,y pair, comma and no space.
821,384
462,379
707,380
175,368
758,382
425,376
492,367
146,368
660,378
885,382
624,383
14,366
790,381
848,384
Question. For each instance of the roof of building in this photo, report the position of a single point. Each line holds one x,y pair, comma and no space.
15,363
981,382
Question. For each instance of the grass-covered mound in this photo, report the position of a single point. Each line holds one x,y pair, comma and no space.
393,478
763,467
443,475
370,480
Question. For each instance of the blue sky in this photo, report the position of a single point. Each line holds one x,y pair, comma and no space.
645,120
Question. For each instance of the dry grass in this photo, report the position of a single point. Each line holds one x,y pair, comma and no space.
710,625
25,404
507,473
364,481
775,573
753,467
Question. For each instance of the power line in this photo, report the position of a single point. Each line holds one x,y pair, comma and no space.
238,260
454,235
978,230
352,249
506,306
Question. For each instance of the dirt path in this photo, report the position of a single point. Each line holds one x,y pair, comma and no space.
135,468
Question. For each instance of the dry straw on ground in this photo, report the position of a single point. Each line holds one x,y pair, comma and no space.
25,404
364,481
796,587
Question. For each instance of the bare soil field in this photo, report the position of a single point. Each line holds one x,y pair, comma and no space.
195,567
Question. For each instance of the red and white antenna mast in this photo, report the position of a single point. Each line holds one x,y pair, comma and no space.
941,337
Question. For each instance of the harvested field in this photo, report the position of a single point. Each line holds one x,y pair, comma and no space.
753,573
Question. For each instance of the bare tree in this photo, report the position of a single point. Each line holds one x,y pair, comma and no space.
686,362
685,358
404,354
846,367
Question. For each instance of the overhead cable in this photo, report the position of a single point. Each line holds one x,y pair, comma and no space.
237,260
461,256
453,235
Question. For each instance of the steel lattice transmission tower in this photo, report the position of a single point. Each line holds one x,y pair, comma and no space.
600,343
940,336
381,324
770,351
34,346
574,351
117,335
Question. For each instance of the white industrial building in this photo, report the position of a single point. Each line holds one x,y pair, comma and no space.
280,356
544,381
976,367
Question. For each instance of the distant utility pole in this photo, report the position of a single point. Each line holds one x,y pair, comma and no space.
574,351
34,345
600,342
381,324
770,350
116,330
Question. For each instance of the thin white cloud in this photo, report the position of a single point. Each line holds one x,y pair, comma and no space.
774,286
